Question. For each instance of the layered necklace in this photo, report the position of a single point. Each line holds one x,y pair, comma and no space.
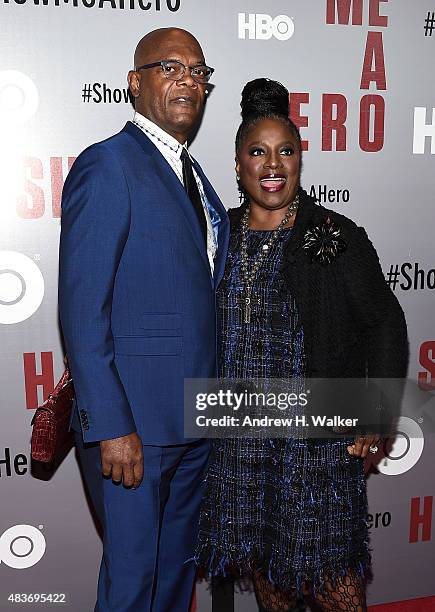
249,272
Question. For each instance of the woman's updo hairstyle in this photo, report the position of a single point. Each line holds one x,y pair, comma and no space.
264,99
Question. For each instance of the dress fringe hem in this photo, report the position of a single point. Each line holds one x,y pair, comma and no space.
219,563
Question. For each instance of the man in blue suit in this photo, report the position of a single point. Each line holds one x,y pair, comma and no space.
143,245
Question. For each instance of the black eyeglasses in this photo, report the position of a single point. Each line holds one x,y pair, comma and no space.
175,70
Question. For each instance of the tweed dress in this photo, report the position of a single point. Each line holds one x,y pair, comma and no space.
293,508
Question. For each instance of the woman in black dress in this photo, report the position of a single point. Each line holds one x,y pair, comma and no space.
303,295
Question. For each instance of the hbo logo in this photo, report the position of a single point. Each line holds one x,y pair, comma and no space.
401,453
21,287
21,546
263,27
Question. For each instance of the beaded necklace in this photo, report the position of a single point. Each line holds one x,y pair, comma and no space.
250,274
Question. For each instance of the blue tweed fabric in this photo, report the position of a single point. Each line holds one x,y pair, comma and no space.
293,508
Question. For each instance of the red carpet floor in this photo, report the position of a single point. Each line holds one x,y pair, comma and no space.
425,604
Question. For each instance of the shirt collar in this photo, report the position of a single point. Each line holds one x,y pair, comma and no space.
163,137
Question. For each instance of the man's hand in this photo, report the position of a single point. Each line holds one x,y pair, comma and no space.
122,459
362,445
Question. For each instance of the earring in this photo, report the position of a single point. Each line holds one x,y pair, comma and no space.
243,196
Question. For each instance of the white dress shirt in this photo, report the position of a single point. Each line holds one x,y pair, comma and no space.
171,150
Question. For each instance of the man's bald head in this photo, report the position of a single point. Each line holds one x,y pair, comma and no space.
174,105
149,45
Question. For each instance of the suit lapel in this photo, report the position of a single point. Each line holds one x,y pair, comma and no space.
173,185
178,194
223,228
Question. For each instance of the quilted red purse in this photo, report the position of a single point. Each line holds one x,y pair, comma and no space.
51,421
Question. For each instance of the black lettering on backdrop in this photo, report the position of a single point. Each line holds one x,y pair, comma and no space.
323,194
9,465
144,5
380,519
405,267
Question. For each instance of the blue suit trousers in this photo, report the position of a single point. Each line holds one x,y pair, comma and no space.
150,532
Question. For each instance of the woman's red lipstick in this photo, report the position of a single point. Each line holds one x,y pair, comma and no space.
272,182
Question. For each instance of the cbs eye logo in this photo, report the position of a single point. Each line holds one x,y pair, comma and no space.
21,546
21,287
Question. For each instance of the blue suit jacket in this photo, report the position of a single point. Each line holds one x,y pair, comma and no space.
136,295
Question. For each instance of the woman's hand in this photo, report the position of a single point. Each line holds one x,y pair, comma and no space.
363,444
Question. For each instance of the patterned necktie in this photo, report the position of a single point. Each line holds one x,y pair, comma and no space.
193,193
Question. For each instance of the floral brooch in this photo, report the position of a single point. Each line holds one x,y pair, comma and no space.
323,242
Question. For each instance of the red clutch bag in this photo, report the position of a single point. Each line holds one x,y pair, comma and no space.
51,421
